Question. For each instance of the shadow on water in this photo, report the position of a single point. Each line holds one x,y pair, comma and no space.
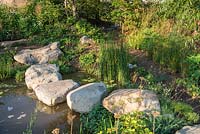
17,105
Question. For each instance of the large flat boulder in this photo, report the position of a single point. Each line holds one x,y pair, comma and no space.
41,74
189,130
55,92
125,101
84,98
42,55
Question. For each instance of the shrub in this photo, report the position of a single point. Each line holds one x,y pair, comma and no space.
10,26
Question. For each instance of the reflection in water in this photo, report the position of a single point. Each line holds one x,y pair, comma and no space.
20,103
41,107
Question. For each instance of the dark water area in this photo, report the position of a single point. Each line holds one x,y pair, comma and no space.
19,104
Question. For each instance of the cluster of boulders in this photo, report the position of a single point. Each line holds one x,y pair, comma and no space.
47,83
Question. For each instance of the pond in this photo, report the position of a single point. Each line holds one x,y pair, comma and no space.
19,104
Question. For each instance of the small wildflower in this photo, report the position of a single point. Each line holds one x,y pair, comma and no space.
56,131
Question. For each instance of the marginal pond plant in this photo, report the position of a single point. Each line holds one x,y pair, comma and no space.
113,63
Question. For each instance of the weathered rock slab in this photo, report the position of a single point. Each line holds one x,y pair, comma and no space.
125,101
55,92
84,98
42,55
41,74
189,130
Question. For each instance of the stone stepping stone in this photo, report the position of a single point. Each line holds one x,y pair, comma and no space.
55,92
41,74
84,98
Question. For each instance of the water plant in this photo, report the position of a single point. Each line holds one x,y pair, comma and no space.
5,67
31,123
113,62
19,76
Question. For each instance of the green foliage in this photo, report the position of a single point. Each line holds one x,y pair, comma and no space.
3,85
97,120
114,60
165,124
94,9
10,25
185,111
179,110
194,68
19,76
84,28
184,12
43,18
31,123
87,62
127,13
133,123
5,66
64,66
170,52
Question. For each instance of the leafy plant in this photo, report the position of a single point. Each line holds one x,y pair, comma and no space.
19,76
87,62
165,124
98,120
194,68
133,123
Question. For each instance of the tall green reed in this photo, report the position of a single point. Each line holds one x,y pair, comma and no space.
5,67
113,63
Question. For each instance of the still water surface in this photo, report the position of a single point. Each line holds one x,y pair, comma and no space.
19,104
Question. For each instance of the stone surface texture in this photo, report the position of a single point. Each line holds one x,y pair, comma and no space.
55,92
124,101
189,130
41,74
42,55
84,98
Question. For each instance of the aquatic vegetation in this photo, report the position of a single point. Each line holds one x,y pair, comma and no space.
5,67
113,62
31,123
19,76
